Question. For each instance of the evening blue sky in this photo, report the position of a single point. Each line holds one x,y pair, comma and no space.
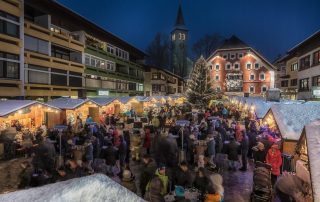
270,26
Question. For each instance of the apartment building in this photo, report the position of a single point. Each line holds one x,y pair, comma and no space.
238,69
159,81
303,69
48,51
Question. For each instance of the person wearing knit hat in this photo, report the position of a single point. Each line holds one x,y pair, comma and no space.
128,181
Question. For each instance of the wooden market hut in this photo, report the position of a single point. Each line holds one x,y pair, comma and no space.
290,119
71,108
307,157
130,102
106,103
29,113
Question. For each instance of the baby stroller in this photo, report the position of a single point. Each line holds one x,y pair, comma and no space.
262,186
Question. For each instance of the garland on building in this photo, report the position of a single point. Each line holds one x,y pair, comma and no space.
200,91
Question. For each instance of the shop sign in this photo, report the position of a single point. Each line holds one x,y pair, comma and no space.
316,92
103,92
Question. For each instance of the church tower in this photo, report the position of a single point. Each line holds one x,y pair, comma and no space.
179,41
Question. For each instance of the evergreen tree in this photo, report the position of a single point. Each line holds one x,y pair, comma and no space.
200,90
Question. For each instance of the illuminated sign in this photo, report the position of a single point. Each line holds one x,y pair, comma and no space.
103,92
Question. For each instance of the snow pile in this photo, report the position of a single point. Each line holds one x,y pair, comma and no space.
92,188
291,118
313,142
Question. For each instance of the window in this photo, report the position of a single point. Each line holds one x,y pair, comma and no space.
75,79
284,83
9,24
36,45
251,89
173,37
162,77
316,81
293,82
38,74
218,88
182,36
66,54
264,89
232,56
59,77
262,76
154,75
304,84
210,67
9,66
252,77
217,77
256,65
155,87
225,56
248,66
217,67
240,55
236,66
228,66
316,57
294,67
305,62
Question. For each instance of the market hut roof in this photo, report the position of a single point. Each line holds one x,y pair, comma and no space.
68,103
312,132
125,99
291,118
91,188
103,100
10,106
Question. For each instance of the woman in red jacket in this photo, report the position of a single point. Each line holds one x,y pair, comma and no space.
147,140
275,160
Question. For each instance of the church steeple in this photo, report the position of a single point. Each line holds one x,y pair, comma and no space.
180,19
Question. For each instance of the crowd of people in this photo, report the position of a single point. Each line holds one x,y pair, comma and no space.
172,158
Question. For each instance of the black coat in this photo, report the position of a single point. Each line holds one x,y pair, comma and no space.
245,144
201,183
260,155
109,154
182,178
147,172
232,150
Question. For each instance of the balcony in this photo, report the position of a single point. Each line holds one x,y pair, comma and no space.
35,30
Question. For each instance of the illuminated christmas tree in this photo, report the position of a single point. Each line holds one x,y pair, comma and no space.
200,90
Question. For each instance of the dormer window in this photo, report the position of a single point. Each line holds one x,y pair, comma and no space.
173,37
182,36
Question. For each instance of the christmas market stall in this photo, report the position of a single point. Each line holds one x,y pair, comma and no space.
106,103
307,157
289,120
28,113
71,108
128,103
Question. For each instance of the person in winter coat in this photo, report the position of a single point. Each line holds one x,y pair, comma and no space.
215,189
126,136
128,181
122,151
232,151
135,146
225,113
147,140
290,187
161,174
147,171
154,192
211,148
238,132
109,154
183,176
201,181
244,151
275,160
259,153
89,155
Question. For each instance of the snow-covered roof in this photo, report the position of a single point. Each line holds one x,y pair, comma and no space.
67,103
124,99
91,188
313,141
102,100
291,118
142,98
9,106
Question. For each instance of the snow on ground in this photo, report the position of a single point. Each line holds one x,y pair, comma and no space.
291,118
94,188
313,142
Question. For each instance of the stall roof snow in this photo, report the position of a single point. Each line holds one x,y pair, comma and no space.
91,188
291,118
125,99
312,132
103,100
67,103
9,106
